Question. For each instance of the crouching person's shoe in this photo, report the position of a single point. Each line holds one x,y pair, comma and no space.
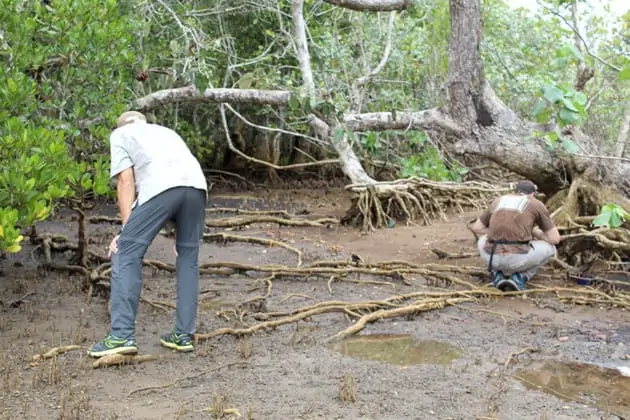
178,342
520,280
514,283
497,278
113,345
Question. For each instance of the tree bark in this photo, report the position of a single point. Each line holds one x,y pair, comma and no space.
623,136
190,94
495,132
372,5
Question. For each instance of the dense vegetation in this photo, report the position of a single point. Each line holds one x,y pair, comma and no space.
71,67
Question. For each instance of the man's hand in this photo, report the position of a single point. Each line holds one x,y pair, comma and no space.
478,228
553,237
113,246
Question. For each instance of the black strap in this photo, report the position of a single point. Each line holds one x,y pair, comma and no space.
494,246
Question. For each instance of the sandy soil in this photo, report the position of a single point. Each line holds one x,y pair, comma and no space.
445,364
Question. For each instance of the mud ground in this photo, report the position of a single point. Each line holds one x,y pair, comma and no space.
454,371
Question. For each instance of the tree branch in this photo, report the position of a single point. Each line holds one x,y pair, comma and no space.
577,33
361,81
190,94
372,5
234,149
301,46
380,121
350,163
374,121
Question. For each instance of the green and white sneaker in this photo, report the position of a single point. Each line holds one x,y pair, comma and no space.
113,345
178,342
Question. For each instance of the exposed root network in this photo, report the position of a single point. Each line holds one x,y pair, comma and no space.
586,248
379,205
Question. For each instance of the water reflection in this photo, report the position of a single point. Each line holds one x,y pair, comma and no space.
396,349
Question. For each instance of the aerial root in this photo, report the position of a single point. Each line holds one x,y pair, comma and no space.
226,237
445,255
123,359
244,218
584,247
53,352
378,205
366,312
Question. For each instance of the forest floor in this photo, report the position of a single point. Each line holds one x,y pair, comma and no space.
459,362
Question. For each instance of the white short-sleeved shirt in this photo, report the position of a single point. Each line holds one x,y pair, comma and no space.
160,159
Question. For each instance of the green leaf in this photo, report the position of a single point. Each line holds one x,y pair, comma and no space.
568,117
601,220
580,99
245,82
294,103
544,116
615,220
624,74
611,215
569,105
13,249
338,135
570,146
552,93
552,137
570,50
538,108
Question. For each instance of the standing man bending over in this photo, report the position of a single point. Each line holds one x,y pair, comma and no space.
507,230
153,162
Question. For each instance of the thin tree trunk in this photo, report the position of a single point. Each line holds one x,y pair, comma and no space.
623,137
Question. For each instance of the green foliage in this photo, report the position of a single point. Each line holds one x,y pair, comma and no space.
425,161
430,165
34,161
66,66
562,104
612,216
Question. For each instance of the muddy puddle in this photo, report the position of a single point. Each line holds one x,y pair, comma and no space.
588,384
402,350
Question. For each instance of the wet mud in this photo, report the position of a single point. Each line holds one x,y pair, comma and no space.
444,364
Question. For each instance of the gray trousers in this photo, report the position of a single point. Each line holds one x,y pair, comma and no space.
185,206
527,265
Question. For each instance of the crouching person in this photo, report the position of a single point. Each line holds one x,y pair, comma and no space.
517,237
159,182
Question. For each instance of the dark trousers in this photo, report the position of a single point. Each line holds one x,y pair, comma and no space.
185,206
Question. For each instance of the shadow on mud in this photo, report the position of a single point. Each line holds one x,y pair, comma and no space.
397,349
589,384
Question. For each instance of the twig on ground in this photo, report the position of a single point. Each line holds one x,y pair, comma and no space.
513,356
226,237
55,351
17,302
444,255
185,378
